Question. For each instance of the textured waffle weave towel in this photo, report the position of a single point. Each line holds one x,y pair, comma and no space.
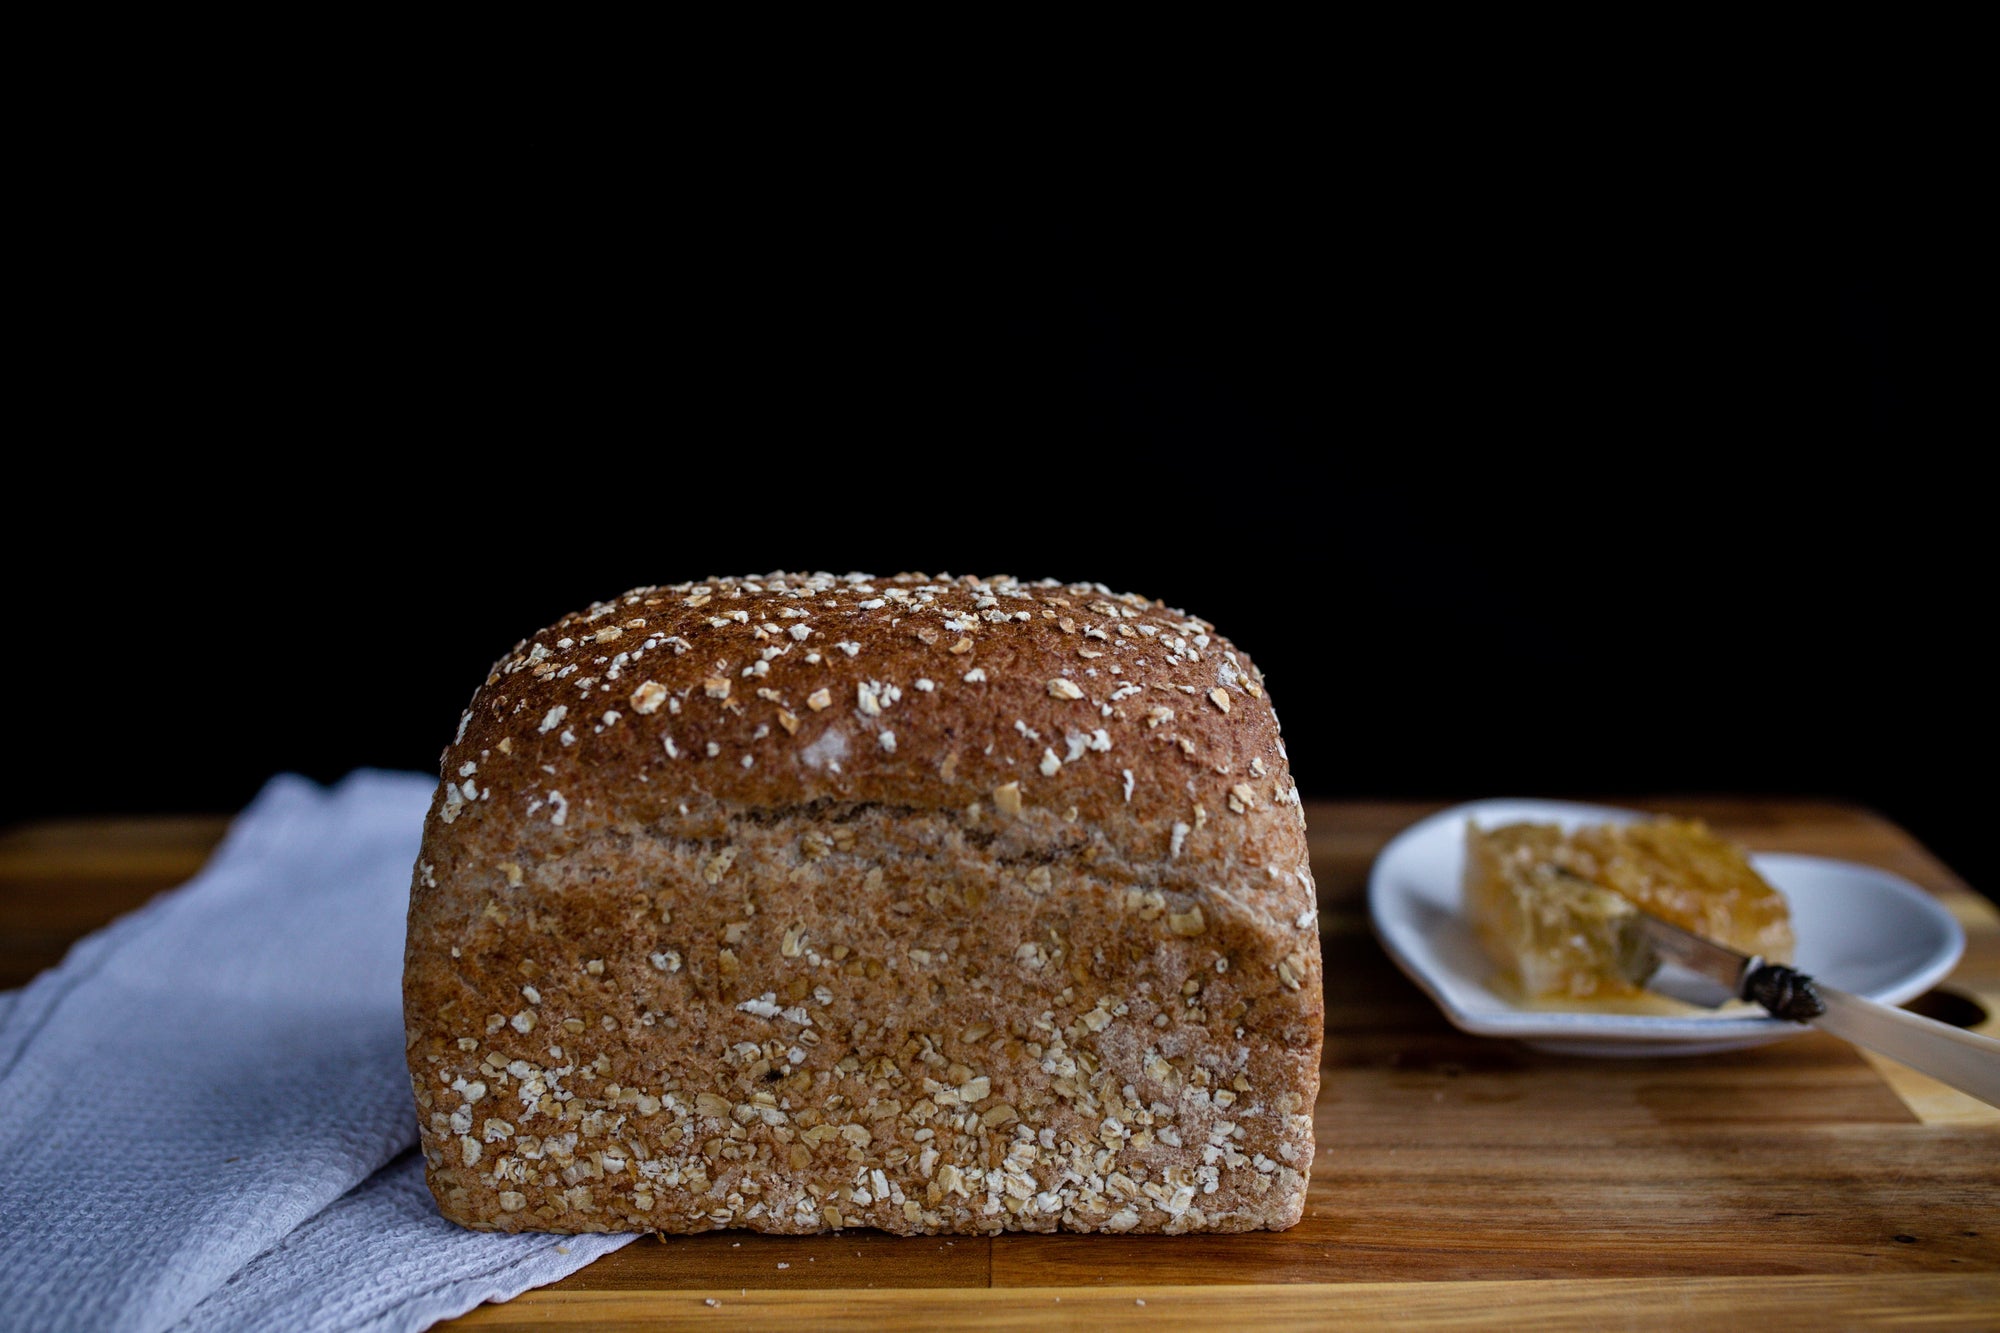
205,1118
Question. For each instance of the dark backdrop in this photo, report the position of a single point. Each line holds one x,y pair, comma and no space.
1556,503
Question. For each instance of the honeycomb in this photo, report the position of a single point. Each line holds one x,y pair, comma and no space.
1548,905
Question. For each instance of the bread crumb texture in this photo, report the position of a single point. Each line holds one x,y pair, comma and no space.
694,944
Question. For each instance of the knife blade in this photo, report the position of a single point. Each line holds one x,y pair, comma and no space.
1663,957
1648,944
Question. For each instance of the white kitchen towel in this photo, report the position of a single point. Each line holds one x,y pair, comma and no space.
205,1118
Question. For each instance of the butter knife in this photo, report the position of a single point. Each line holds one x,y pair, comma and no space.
1663,957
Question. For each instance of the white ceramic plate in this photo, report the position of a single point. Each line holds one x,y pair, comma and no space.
1858,928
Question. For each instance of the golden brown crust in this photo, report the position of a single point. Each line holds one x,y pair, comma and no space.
798,901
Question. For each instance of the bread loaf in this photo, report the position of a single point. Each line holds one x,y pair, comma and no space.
931,905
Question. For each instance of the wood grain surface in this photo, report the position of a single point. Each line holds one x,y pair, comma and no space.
1460,1180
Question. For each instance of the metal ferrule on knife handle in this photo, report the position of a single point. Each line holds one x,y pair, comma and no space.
1785,992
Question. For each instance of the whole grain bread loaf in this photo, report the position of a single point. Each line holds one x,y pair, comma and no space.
800,902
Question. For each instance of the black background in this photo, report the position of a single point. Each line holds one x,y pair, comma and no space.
1508,490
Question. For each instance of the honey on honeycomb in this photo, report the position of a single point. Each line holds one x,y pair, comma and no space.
1547,905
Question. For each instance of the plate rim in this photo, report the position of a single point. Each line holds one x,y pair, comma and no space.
1638,1032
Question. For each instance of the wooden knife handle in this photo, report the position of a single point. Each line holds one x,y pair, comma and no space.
1965,1060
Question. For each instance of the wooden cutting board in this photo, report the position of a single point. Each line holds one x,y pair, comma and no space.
1460,1180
